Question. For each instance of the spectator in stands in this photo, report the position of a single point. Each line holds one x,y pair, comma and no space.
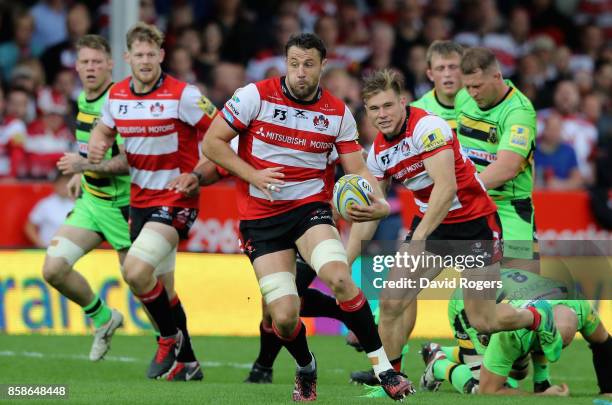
415,71
435,27
326,28
238,31
48,136
344,86
575,130
382,40
408,29
274,55
49,213
227,78
353,29
181,65
63,55
210,54
29,75
555,161
21,47
13,133
49,22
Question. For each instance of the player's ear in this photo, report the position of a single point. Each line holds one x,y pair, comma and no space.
162,54
126,56
429,74
323,64
403,100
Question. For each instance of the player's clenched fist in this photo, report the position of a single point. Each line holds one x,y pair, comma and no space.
96,151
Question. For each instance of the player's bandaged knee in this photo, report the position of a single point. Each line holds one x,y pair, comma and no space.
66,249
150,247
167,265
602,361
329,250
277,285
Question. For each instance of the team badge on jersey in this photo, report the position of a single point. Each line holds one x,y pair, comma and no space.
492,135
519,137
433,140
156,109
320,122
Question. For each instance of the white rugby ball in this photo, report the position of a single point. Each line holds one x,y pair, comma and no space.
348,190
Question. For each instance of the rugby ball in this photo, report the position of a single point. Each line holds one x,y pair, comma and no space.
348,190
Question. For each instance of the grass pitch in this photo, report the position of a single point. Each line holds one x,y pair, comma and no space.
226,360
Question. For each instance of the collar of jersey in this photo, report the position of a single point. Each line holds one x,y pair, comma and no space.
288,94
448,107
402,129
101,94
157,85
506,96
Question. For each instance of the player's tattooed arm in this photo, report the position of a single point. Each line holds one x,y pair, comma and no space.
72,163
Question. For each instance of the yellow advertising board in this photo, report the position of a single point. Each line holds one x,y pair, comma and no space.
219,293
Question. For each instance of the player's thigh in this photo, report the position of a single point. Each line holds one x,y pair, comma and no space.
68,245
154,243
320,246
113,223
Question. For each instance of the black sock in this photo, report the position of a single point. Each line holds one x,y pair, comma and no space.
317,304
156,302
186,354
297,345
358,318
269,346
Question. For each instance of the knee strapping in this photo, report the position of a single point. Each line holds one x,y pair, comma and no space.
329,250
277,285
150,247
66,249
167,265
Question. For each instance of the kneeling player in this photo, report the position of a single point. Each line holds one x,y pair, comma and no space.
460,365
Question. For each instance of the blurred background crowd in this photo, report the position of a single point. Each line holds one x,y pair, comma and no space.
558,52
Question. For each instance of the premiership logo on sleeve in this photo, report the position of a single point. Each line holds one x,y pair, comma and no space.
207,106
433,140
519,136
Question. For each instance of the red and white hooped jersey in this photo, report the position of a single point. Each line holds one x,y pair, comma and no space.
401,158
160,132
276,130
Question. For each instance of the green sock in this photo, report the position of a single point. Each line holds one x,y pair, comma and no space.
457,374
540,371
98,312
452,353
512,383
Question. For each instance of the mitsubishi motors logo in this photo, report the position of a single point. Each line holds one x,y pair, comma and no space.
260,131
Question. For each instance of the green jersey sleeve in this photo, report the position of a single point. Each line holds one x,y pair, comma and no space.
518,132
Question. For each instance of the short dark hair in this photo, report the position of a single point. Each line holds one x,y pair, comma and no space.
443,48
478,58
96,42
306,41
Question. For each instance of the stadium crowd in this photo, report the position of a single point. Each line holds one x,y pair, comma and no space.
558,53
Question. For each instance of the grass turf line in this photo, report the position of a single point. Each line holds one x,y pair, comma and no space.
39,359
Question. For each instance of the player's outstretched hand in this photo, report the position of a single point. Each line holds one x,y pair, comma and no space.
71,163
378,208
96,152
268,181
186,183
74,186
558,390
